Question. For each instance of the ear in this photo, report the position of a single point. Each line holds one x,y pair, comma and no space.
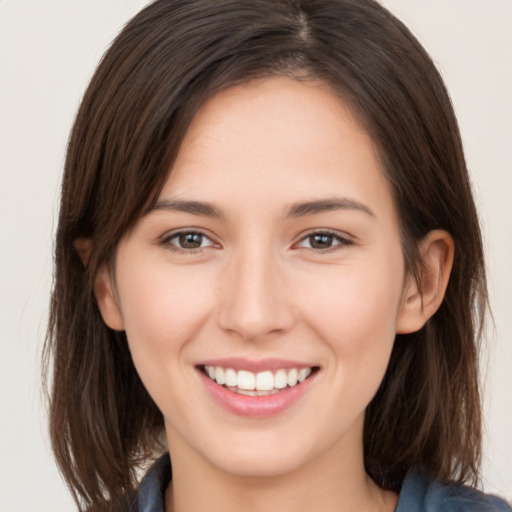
105,292
104,289
421,300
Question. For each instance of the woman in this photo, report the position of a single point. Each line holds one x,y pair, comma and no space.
268,258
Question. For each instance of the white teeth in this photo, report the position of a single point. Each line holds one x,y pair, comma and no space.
266,393
248,392
231,378
280,379
246,380
264,381
303,374
219,375
257,384
292,377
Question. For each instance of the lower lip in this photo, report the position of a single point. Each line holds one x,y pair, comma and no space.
255,406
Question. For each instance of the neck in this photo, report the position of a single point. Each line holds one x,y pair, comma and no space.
333,482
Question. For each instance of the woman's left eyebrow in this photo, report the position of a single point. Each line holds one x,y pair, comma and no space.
327,205
200,208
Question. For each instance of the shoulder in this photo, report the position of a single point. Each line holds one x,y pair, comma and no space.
150,496
421,494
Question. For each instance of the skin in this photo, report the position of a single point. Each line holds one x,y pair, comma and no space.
259,287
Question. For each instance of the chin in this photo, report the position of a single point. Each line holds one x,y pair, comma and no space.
259,466
261,456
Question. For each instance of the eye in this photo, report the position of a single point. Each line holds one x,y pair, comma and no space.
323,241
187,241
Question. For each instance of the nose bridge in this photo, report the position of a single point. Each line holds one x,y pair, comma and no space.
253,300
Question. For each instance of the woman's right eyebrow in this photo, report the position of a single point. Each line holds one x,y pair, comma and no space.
204,209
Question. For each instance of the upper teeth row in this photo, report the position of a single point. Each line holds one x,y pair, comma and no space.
262,381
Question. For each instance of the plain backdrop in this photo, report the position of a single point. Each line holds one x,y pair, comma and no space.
48,51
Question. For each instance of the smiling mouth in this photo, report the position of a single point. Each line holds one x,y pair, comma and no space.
262,383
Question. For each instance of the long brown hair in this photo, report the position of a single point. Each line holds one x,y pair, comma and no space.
163,65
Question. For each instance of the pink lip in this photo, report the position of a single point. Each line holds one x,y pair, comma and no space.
255,366
255,406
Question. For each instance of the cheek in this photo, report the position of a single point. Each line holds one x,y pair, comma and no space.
357,323
162,310
356,316
355,303
160,305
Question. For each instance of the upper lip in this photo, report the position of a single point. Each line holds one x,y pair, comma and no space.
255,365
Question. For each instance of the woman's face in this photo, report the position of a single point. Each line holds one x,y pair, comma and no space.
273,253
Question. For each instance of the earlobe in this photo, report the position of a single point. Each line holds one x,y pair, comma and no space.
421,300
107,300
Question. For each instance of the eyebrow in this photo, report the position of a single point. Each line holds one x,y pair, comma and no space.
301,209
327,205
200,208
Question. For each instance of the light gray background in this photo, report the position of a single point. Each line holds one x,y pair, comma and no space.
48,51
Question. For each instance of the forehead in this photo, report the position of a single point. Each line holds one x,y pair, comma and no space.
276,139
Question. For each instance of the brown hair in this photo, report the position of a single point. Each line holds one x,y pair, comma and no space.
163,65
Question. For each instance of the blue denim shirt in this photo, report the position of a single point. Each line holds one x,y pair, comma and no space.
419,494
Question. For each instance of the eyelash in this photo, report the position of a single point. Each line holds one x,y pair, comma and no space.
336,240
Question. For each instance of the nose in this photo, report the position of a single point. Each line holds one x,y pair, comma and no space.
253,303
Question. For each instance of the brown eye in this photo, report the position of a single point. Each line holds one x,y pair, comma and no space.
319,241
188,240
